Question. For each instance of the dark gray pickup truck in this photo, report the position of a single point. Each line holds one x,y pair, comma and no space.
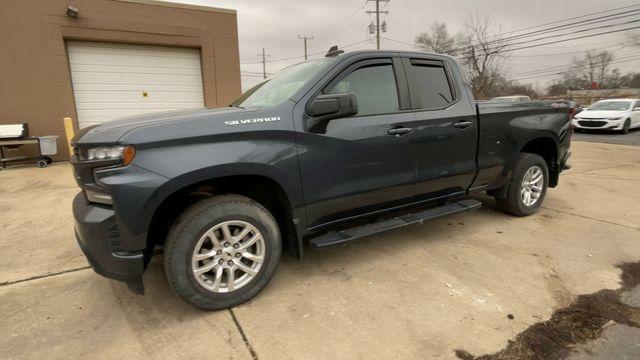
325,152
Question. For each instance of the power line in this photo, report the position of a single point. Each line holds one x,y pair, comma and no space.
301,57
563,67
560,72
349,30
575,32
541,44
330,26
581,23
572,52
574,38
567,19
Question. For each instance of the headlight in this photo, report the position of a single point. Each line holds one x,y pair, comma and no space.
125,153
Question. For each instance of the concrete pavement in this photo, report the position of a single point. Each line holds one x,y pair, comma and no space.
419,292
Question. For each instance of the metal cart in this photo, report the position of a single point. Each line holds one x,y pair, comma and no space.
47,145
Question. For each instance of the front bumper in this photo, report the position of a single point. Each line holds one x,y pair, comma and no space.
598,124
98,237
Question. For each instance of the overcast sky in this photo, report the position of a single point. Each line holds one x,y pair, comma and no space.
275,25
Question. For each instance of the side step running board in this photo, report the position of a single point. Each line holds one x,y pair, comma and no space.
340,237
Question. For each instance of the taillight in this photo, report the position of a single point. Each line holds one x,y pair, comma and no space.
572,113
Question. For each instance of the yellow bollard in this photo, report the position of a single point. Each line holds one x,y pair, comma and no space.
70,132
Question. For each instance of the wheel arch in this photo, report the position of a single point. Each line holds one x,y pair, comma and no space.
262,188
547,148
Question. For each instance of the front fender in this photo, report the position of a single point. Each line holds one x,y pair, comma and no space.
193,163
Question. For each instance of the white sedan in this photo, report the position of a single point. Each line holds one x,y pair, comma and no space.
613,114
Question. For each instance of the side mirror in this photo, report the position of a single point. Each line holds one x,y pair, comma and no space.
333,106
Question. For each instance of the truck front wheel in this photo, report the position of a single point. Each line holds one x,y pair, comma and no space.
222,252
527,187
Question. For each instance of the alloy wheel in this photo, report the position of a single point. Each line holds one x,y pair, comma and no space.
228,256
532,185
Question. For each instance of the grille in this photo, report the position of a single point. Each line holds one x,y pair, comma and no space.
592,123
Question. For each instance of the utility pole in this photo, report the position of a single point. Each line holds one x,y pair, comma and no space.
378,27
305,38
264,63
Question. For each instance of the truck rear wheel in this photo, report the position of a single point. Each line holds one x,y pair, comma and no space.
222,252
528,186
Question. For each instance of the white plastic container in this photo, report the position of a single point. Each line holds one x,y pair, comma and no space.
48,145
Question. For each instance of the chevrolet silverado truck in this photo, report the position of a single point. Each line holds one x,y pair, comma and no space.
323,153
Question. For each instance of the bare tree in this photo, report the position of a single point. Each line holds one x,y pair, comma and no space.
593,68
486,54
437,40
481,49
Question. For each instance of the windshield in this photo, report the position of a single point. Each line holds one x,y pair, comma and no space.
611,105
284,84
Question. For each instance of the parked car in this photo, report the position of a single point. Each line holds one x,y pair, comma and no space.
612,114
514,98
327,151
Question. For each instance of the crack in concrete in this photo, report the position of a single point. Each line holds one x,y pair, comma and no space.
598,169
253,353
7,283
611,177
590,218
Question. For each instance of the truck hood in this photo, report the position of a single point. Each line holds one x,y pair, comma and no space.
601,114
171,123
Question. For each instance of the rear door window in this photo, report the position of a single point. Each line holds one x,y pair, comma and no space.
430,84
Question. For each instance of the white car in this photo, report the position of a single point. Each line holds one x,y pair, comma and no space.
613,114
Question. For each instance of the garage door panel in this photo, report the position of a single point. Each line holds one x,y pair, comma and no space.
125,97
138,106
94,52
138,61
116,80
116,69
116,48
135,87
134,78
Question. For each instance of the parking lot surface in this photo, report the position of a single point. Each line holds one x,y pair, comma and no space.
472,281
632,138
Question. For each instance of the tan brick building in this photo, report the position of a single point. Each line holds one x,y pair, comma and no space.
115,58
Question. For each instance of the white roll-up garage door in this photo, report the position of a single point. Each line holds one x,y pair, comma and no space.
114,80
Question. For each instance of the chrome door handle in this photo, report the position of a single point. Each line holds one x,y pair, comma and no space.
463,124
399,131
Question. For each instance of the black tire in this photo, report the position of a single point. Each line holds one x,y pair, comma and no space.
189,228
626,127
42,163
512,203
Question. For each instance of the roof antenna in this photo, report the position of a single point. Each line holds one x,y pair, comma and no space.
333,51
